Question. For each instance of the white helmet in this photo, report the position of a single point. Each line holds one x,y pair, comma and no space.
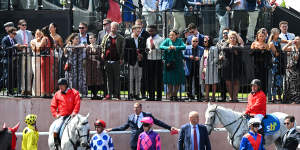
253,120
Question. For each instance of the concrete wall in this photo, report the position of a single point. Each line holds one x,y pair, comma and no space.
115,113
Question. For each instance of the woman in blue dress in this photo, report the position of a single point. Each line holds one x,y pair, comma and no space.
128,16
173,74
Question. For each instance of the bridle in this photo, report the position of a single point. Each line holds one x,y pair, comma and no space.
77,142
231,123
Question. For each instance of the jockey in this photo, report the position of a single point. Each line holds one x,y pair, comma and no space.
256,101
252,140
148,135
30,134
65,102
101,137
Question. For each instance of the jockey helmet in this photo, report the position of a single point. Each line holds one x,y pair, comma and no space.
100,123
253,121
256,82
30,119
62,81
147,120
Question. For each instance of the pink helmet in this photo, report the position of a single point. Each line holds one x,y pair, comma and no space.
148,120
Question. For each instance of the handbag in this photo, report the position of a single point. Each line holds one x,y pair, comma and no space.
170,66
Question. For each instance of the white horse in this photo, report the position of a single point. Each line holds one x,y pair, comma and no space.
75,134
236,125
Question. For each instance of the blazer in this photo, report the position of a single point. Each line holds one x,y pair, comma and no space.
130,51
189,52
200,39
19,37
8,48
135,130
185,142
100,36
291,142
119,44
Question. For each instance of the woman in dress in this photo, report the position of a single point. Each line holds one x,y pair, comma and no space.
36,63
232,65
208,68
58,44
93,66
47,61
128,16
74,69
173,74
292,90
277,65
262,56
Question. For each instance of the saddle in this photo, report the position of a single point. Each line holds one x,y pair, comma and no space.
270,124
66,121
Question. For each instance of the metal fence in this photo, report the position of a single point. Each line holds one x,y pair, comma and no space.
27,74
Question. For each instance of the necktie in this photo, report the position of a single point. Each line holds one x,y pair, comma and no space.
137,120
287,38
151,43
195,139
286,135
12,42
24,37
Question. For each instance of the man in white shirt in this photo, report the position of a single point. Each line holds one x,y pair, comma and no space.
154,64
285,35
149,11
23,38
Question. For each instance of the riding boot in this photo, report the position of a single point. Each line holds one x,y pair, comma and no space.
56,141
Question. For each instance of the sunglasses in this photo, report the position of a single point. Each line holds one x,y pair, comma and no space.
195,41
286,123
146,124
205,41
105,24
225,33
80,27
256,125
24,24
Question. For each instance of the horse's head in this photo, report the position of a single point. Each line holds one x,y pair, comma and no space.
13,131
211,117
83,130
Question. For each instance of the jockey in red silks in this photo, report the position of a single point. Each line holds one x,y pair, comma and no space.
65,102
252,140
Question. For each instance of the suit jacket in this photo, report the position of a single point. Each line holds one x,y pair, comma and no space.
105,44
130,51
291,142
188,62
8,48
200,39
136,131
185,141
19,37
100,36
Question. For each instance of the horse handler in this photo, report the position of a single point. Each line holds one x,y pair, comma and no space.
257,101
65,102
30,134
252,140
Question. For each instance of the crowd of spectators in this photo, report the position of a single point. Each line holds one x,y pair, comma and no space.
33,64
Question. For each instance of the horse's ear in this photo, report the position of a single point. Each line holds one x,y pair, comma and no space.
208,104
16,127
4,125
87,116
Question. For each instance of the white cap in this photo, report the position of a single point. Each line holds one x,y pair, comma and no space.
253,120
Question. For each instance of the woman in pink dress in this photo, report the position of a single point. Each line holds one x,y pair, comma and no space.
47,60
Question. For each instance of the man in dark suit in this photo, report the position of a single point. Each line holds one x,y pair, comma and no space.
144,34
291,138
106,29
191,132
134,122
9,46
134,53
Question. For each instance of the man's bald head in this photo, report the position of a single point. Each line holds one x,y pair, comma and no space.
194,117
